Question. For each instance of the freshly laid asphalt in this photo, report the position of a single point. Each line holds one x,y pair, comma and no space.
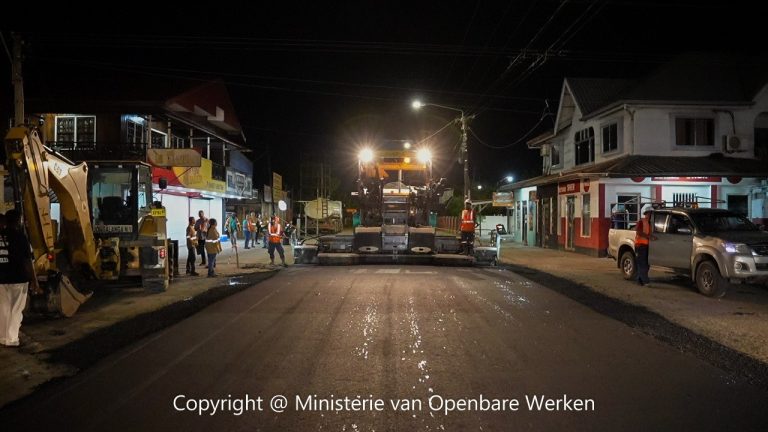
397,332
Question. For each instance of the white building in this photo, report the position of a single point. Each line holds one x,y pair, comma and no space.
695,129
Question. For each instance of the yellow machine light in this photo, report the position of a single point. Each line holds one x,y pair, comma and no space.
424,155
366,155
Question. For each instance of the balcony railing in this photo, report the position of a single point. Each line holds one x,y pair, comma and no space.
91,151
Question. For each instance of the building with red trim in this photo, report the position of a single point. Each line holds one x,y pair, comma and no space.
695,129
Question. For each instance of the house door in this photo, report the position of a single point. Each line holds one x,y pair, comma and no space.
524,215
570,208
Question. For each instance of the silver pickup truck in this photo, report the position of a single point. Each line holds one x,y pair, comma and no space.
711,246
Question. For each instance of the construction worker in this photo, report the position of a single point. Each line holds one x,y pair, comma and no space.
467,227
275,232
642,242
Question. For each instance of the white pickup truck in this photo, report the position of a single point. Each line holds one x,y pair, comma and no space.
713,247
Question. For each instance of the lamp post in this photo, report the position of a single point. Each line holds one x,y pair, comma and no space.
506,179
462,120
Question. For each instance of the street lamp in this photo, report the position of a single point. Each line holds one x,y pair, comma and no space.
508,179
479,187
462,120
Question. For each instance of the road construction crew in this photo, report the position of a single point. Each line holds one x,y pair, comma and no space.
467,227
275,232
642,242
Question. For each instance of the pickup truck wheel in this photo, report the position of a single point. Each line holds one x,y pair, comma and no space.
709,281
628,265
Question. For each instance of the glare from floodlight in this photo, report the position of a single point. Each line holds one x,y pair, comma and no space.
366,155
417,104
510,179
406,145
424,155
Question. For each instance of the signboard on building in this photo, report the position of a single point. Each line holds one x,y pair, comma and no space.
267,194
167,158
503,199
200,178
573,186
277,187
689,179
238,184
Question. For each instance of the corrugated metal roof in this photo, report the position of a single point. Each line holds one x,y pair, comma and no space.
690,78
657,166
592,94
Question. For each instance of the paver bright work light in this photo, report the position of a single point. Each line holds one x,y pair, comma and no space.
424,155
366,155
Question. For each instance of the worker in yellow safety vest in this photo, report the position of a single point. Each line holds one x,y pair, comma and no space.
467,227
275,232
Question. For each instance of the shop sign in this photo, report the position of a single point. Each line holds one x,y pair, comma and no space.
570,187
503,199
689,179
174,157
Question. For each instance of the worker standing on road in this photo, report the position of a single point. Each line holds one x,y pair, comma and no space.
275,232
212,245
467,227
191,246
16,276
201,227
642,241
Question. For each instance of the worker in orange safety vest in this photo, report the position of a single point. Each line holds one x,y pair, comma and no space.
275,232
642,243
467,227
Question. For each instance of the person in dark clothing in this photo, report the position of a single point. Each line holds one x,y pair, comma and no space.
201,227
17,275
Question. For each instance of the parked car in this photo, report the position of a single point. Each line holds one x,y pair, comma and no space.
713,247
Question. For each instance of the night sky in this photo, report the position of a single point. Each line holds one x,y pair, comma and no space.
317,81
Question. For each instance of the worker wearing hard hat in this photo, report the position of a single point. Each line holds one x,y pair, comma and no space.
467,227
642,242
275,232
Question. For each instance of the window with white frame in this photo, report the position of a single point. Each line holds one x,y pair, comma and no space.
586,216
135,130
158,139
694,132
584,142
610,137
177,141
555,155
75,129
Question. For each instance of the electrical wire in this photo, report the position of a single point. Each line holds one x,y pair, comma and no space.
463,40
525,136
5,45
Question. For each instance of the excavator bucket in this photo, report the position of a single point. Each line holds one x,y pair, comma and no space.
61,297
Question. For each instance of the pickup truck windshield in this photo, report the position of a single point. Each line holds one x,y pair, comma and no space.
719,222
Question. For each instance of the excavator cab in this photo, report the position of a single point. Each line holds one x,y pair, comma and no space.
131,235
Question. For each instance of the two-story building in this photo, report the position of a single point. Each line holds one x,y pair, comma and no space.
696,129
191,137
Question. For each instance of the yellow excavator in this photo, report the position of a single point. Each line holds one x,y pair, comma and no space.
109,228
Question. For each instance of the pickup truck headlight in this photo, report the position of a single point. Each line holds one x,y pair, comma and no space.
739,248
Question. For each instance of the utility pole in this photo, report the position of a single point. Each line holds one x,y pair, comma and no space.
464,153
18,82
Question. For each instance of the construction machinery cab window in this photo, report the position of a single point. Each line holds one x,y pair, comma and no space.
117,193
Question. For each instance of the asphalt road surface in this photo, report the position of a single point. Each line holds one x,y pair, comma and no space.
449,343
